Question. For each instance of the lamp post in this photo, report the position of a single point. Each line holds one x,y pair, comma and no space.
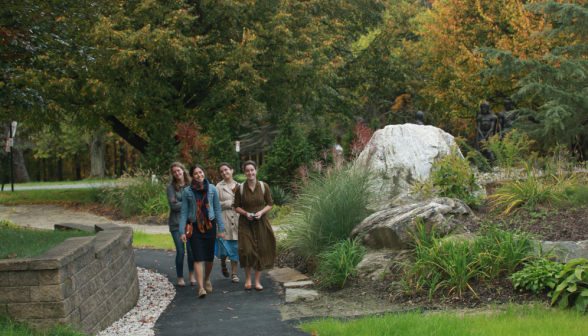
238,149
9,145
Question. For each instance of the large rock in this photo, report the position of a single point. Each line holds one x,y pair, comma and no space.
383,264
397,156
389,228
565,250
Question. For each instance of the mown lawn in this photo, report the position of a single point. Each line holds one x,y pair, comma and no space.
34,184
153,241
13,328
49,196
515,320
26,243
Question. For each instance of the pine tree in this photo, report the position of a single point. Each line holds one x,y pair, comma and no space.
552,90
289,151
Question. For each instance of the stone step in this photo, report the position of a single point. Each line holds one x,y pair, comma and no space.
283,275
293,294
297,284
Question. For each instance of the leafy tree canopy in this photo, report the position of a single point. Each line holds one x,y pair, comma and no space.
156,62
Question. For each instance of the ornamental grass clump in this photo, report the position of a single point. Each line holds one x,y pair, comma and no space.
533,190
330,204
453,265
139,194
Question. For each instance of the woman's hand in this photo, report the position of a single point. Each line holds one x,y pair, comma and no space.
174,199
258,215
250,217
183,238
222,235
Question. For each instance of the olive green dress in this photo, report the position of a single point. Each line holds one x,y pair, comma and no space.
257,243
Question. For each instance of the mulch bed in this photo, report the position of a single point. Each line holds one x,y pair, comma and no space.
545,222
499,291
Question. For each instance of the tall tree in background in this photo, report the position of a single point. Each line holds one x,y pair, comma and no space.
554,86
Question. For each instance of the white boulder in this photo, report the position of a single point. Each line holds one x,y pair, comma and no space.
397,156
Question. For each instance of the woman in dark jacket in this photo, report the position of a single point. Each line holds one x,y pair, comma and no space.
202,206
175,191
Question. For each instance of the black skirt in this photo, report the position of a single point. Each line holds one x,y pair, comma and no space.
202,244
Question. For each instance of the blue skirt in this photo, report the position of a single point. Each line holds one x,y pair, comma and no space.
228,249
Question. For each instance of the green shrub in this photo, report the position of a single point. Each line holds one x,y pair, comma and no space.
330,204
574,285
577,195
453,264
538,274
339,262
279,213
450,177
289,151
133,195
509,151
280,196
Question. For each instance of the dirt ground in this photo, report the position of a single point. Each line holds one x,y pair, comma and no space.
545,222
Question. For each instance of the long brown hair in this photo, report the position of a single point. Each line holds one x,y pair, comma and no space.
187,179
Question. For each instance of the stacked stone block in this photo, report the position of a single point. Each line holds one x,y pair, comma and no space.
86,281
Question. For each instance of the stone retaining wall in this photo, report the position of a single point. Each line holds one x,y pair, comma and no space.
85,281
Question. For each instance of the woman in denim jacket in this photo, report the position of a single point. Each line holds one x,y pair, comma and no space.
201,206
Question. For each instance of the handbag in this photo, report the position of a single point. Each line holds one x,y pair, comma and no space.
189,228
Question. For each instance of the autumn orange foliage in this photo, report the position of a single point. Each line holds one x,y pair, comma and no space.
194,147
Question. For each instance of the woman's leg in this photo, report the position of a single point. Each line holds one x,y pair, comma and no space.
179,256
257,278
190,261
208,266
247,276
198,273
234,266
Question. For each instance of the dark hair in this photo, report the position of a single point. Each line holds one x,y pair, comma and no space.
225,164
187,178
193,168
250,162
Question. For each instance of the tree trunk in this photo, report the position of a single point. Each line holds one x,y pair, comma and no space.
114,156
60,169
51,174
78,168
19,169
97,160
122,160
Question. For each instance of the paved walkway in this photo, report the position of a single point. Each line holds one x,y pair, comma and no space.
252,312
45,216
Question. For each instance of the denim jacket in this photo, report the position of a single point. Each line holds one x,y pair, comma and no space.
189,209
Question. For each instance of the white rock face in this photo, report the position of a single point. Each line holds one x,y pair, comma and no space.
397,155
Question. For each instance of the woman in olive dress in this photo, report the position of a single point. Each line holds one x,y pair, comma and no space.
257,243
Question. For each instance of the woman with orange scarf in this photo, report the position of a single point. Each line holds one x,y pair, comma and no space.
202,207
